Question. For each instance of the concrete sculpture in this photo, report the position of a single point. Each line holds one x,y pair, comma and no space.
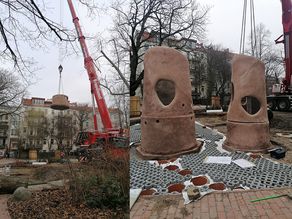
167,121
247,119
60,102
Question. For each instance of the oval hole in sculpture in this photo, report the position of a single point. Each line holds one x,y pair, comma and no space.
165,90
250,104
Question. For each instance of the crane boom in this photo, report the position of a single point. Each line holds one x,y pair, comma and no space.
287,28
281,98
94,82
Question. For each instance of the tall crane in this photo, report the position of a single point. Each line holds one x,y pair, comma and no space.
109,133
282,97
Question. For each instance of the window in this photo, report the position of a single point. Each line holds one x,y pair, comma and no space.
24,130
52,141
45,141
203,88
13,132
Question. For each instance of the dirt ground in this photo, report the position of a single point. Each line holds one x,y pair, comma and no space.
57,204
31,175
281,123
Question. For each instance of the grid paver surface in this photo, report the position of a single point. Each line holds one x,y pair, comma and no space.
265,174
233,205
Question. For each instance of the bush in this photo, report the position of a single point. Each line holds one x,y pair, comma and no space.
102,183
105,193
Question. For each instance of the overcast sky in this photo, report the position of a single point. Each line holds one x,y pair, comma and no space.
224,28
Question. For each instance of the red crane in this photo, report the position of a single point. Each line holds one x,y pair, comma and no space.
90,138
282,98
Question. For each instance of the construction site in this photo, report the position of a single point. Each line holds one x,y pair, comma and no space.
62,159
189,160
167,113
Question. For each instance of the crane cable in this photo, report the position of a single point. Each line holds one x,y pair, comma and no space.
253,37
60,59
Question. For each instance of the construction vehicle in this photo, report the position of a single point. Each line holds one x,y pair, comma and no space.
109,138
282,93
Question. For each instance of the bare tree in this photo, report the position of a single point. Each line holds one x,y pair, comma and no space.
141,20
64,130
267,52
28,22
11,92
121,102
83,112
219,72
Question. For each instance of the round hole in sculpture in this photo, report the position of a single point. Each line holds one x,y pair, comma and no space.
165,90
250,104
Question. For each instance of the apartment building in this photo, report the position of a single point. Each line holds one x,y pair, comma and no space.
37,126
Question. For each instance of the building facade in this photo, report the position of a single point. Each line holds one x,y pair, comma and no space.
37,126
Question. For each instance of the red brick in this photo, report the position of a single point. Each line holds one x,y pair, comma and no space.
211,201
146,214
231,197
261,211
140,212
221,215
154,217
204,215
238,215
172,210
213,212
218,197
244,211
162,214
287,212
220,206
275,208
230,214
196,212
226,203
271,213
181,204
170,216
204,207
282,216
235,206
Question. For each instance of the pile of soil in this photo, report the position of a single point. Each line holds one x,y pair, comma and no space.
58,204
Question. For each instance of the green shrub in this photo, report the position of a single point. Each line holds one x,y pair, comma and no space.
101,192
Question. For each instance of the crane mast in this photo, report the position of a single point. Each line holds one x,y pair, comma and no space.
281,98
94,82
287,40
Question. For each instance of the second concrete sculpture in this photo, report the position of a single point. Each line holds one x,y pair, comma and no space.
247,119
167,121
